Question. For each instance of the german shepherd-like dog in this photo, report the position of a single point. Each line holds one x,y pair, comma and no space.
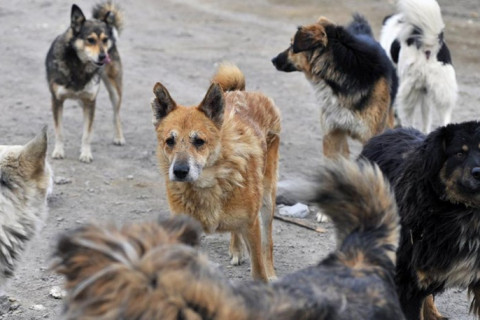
25,182
76,61
354,81
436,179
220,163
151,271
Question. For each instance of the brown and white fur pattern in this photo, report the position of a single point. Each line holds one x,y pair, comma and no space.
220,161
76,62
25,181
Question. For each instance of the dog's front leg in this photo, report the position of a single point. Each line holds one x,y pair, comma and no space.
335,144
57,110
236,249
474,292
253,241
88,115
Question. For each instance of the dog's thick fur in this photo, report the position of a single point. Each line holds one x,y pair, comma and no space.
414,40
25,179
150,271
75,63
353,79
436,179
220,162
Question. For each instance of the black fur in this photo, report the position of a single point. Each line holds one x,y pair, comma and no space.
444,54
438,233
395,50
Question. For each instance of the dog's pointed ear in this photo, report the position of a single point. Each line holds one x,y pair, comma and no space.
162,104
109,18
77,19
184,228
213,104
34,152
309,37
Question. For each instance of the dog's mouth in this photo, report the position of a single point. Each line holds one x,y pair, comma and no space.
103,60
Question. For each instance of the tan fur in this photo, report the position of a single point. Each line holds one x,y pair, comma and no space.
234,185
430,311
229,77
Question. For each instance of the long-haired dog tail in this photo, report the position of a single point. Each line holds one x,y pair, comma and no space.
360,26
358,199
141,271
109,12
229,77
425,15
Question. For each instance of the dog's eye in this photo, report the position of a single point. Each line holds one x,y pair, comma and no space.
197,142
460,155
91,40
105,40
170,141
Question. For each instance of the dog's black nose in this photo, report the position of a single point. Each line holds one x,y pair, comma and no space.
181,170
476,173
102,56
274,61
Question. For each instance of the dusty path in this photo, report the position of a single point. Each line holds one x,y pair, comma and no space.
179,43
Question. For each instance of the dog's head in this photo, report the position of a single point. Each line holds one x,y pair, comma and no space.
452,157
309,41
188,137
92,38
24,174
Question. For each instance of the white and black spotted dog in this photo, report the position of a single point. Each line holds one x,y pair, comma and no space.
414,40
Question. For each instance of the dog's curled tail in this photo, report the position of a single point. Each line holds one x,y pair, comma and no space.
229,77
141,271
110,13
358,199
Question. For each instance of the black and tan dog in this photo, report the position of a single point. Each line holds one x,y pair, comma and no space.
151,271
76,61
436,179
354,81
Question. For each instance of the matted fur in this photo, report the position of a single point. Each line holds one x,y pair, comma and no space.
353,79
220,162
150,271
436,179
76,62
25,181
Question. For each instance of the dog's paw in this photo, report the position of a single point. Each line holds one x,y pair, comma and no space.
119,141
86,157
322,218
58,153
236,260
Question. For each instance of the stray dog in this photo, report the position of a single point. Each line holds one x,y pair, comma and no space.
25,181
220,162
436,179
354,81
76,61
414,41
151,271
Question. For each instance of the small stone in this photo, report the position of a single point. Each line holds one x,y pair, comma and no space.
129,177
62,180
298,210
38,307
57,293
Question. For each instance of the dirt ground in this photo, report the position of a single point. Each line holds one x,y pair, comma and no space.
179,42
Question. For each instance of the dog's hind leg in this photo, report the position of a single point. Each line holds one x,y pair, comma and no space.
426,108
88,115
335,143
57,110
236,250
252,236
267,209
112,78
474,292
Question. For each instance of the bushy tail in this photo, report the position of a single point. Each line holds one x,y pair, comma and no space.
358,199
229,77
425,14
359,26
141,271
110,13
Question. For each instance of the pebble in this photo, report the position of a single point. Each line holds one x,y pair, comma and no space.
62,180
298,210
57,292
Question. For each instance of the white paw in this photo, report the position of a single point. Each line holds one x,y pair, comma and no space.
236,260
58,153
86,157
119,141
322,218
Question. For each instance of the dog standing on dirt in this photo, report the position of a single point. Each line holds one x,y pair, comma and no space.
76,62
25,181
436,179
414,40
220,163
354,81
151,271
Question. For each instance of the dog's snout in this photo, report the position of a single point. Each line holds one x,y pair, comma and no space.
476,173
181,170
428,53
102,56
274,61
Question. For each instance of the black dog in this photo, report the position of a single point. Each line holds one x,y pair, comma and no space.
436,179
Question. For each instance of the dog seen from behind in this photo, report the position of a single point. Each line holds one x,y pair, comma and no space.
436,179
414,40
76,62
354,81
153,271
25,181
220,161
